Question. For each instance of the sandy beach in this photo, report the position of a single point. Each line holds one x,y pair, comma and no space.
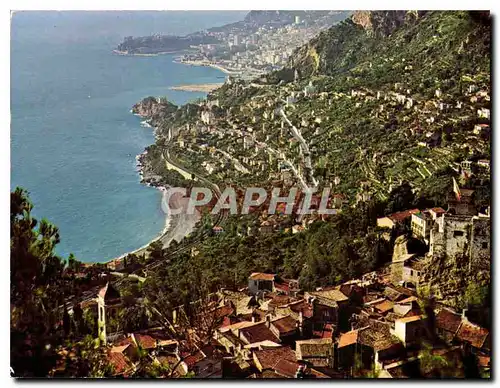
205,88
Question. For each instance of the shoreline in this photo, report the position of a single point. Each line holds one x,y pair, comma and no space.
205,88
127,54
208,64
177,226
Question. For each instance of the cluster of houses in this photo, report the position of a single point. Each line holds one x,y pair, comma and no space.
457,232
271,329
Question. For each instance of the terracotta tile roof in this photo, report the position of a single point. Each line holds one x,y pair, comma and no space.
280,300
237,325
120,363
263,345
348,289
167,342
448,320
285,287
285,325
145,341
286,368
325,332
119,349
349,338
223,311
126,341
334,295
228,321
301,305
268,358
409,299
258,332
320,347
393,294
401,216
376,338
438,210
384,306
411,318
473,334
193,359
262,276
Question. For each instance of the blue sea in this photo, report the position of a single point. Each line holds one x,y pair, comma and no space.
73,139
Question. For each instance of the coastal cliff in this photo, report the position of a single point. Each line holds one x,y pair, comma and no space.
154,108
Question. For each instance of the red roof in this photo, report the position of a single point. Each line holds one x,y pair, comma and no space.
285,325
223,311
193,359
119,362
384,306
145,341
262,276
282,287
448,320
268,358
327,332
473,334
286,368
438,210
125,341
401,216
280,300
258,333
348,338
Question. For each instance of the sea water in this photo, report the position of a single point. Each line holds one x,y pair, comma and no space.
73,138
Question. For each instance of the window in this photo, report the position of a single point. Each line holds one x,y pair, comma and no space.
102,313
102,329
210,368
484,245
458,233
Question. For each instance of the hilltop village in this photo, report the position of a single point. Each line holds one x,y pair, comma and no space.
390,111
380,325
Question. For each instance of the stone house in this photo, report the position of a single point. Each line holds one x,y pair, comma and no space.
260,282
421,222
412,271
462,235
316,352
285,328
409,329
329,307
395,218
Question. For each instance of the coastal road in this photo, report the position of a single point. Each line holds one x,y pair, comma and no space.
182,246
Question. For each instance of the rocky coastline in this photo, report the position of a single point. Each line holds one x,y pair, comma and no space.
177,226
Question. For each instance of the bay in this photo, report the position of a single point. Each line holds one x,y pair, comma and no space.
73,139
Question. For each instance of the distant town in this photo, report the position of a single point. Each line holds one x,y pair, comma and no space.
261,43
